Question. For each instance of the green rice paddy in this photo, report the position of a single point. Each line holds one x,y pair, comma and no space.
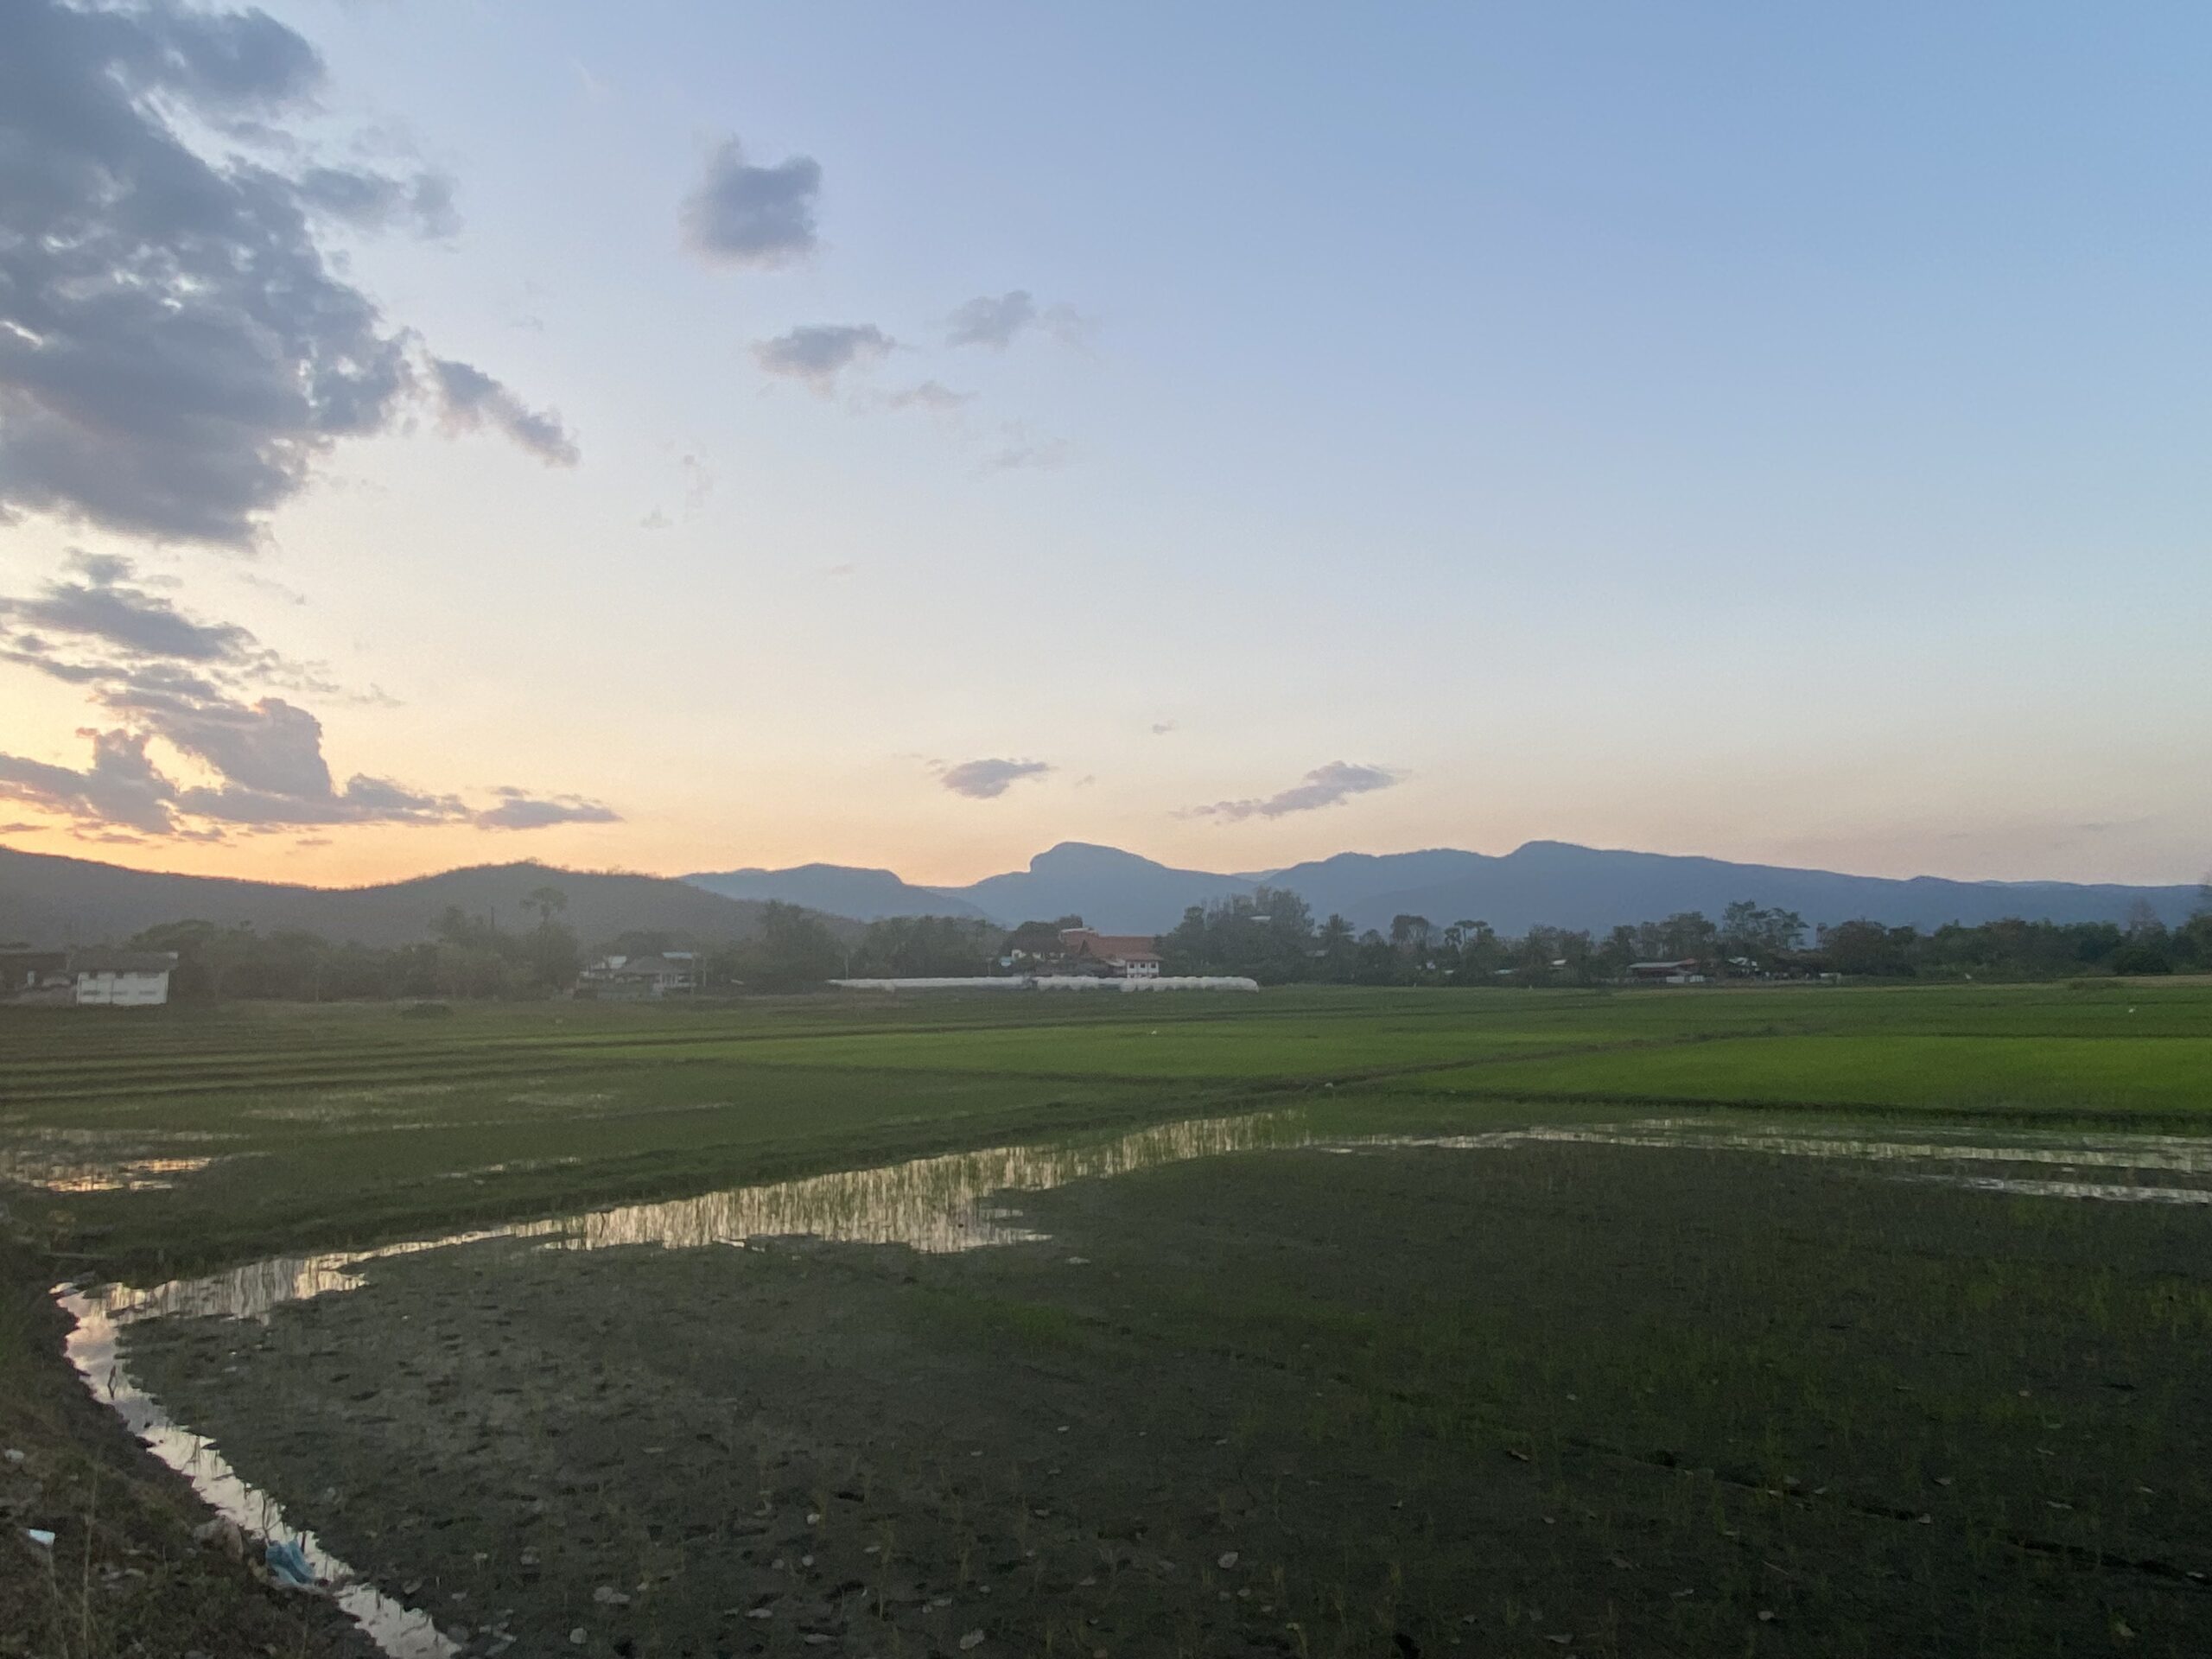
1805,1320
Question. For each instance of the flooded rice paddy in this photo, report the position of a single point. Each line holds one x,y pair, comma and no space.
795,1365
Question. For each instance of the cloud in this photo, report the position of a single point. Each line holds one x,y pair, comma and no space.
377,201
984,780
364,800
1161,727
203,689
119,788
98,625
1328,785
818,352
986,321
932,395
470,398
997,321
176,351
518,811
746,215
99,609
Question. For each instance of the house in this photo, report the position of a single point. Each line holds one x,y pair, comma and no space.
1685,972
25,972
1117,955
121,979
672,973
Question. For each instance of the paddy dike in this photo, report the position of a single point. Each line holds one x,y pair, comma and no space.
1541,1395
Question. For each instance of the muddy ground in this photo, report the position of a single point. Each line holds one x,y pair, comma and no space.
1579,1399
123,1576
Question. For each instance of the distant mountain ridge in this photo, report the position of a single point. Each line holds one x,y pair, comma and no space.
47,901
1543,882
837,890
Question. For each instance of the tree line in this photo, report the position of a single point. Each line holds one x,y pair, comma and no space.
1271,936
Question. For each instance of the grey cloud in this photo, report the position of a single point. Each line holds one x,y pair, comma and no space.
377,201
193,684
364,800
519,811
270,746
983,781
121,787
987,320
997,321
1326,785
749,215
272,775
133,622
176,350
818,352
470,398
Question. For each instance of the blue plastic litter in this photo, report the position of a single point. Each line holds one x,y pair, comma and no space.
288,1564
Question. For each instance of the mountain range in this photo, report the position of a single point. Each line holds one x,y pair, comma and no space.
49,900
1550,882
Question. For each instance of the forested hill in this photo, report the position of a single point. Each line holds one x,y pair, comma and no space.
47,901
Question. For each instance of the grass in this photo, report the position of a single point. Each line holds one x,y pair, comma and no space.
354,1125
2069,1077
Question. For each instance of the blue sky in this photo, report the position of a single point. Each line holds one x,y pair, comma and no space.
1757,431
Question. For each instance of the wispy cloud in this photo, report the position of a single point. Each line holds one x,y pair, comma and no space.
203,689
996,320
469,399
932,395
1325,786
518,810
984,780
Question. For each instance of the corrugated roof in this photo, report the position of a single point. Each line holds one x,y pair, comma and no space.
104,960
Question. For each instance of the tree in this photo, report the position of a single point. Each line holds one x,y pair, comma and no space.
548,901
795,948
1337,947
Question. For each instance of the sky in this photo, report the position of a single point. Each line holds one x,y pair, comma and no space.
688,437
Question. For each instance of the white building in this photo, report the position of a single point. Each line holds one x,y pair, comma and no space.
122,979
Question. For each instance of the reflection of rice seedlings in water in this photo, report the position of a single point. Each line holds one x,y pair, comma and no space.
931,1204
2172,1154
129,1175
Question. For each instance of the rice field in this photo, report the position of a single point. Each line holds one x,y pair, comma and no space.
1768,1321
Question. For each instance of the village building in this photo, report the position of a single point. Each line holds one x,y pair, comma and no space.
671,972
1687,971
1119,955
94,978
